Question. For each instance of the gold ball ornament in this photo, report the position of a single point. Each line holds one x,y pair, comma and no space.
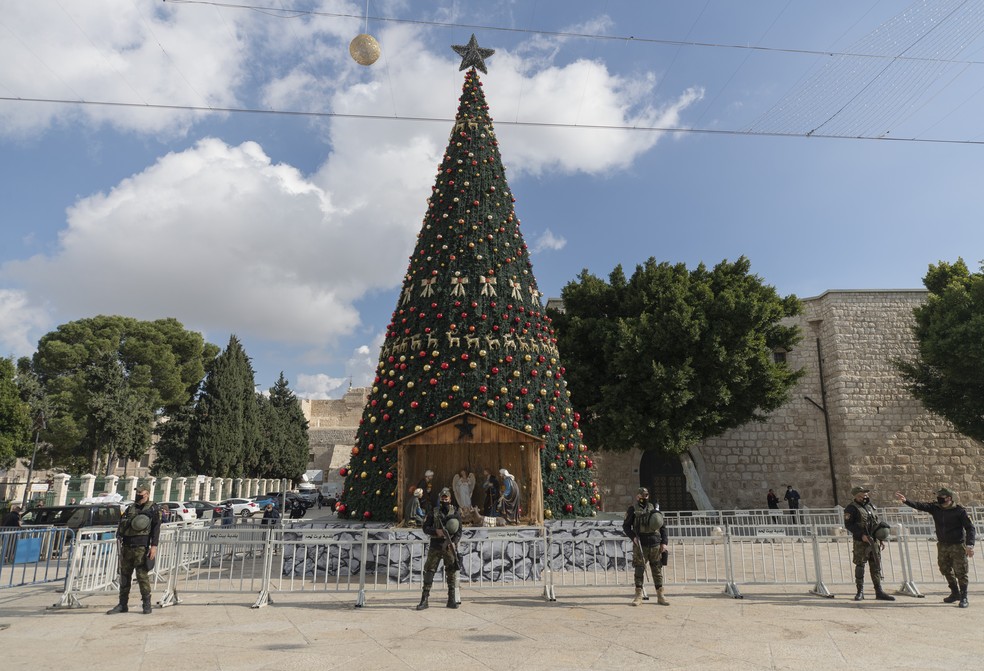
364,49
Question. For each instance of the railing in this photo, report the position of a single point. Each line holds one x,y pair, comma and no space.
268,560
34,556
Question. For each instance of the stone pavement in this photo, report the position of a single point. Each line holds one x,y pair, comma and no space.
773,627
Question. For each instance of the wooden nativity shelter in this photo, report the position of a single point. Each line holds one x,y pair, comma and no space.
471,442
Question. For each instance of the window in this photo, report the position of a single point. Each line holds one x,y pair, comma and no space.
779,356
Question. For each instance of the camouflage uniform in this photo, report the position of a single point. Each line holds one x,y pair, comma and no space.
861,519
442,516
955,535
133,549
647,548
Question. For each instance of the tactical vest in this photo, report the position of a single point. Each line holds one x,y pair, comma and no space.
648,520
126,524
866,515
441,519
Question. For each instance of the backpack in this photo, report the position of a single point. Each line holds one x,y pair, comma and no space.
648,520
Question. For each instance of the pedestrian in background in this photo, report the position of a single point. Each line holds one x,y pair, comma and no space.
955,536
793,498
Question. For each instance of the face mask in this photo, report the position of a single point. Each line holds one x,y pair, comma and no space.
866,500
941,500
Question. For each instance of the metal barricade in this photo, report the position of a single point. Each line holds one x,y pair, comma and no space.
95,566
34,556
220,559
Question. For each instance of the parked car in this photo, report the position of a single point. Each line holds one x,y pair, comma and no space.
75,516
291,497
179,512
262,501
241,507
205,509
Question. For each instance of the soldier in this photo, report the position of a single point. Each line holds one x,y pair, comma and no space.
955,537
443,525
861,519
137,536
644,525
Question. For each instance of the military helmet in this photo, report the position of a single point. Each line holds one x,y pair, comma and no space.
882,532
445,492
944,491
859,490
643,492
452,526
140,523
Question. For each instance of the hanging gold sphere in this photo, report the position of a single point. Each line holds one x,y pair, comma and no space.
364,49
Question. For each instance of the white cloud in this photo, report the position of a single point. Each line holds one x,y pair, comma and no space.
318,386
226,240
106,50
548,241
19,320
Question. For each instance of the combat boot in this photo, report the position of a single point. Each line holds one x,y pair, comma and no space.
451,602
659,598
121,607
637,600
963,597
954,593
880,595
860,595
146,606
423,599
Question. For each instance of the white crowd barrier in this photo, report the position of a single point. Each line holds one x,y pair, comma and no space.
32,556
265,561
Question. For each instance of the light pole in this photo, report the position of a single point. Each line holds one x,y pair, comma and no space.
38,426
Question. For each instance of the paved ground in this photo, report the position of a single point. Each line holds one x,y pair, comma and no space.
587,628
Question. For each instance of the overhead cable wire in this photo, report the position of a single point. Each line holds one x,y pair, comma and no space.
556,33
533,124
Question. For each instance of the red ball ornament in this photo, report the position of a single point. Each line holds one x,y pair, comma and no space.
340,508
567,508
343,471
367,515
389,475
570,463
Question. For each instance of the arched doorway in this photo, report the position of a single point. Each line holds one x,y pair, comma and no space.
663,474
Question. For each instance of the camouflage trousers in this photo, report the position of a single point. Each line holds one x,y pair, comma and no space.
952,560
434,557
643,555
867,553
133,559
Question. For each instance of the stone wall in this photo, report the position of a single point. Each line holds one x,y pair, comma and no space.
331,431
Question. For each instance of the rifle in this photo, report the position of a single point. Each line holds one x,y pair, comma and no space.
448,542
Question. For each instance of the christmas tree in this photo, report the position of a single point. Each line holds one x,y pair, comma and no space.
469,332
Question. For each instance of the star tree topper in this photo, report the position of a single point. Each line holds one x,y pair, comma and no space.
472,55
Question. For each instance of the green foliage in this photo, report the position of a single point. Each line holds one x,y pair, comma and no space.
225,437
15,418
119,421
469,333
284,446
161,363
671,357
948,372
173,451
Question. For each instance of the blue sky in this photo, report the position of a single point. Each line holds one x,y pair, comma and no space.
292,231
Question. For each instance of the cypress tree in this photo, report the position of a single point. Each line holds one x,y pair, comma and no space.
226,431
290,448
469,332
